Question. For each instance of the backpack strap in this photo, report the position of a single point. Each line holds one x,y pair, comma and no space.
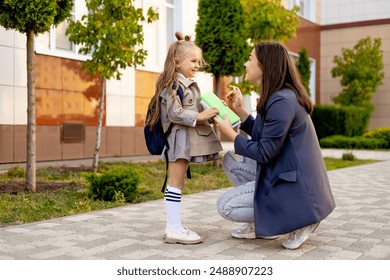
180,92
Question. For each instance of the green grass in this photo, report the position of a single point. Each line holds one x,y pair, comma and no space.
335,163
74,198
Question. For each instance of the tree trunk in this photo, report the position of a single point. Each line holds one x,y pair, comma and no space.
99,126
31,124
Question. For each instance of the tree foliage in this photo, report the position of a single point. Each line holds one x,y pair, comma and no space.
269,20
361,72
36,16
220,34
111,31
303,66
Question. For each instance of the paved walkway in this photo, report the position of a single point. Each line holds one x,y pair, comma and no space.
359,228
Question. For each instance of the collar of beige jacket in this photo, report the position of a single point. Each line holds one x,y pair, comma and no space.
185,81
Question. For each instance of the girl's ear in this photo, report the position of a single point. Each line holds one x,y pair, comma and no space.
176,61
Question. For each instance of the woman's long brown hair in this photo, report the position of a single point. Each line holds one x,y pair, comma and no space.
278,72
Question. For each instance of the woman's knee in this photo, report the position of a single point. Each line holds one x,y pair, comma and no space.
235,204
223,206
227,160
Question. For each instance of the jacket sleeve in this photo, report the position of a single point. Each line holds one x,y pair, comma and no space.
267,142
247,125
176,113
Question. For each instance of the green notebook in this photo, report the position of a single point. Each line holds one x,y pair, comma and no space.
209,99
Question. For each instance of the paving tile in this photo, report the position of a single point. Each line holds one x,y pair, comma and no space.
358,229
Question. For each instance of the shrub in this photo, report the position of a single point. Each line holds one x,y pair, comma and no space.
115,184
379,133
357,142
348,156
16,172
332,120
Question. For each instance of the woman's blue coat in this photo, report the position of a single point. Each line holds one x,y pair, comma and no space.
292,186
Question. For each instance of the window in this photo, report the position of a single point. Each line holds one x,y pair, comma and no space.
306,8
160,34
61,40
157,35
56,43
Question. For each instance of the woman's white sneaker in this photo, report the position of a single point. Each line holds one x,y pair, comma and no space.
247,231
295,239
182,236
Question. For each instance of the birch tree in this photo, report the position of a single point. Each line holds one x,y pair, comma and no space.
112,34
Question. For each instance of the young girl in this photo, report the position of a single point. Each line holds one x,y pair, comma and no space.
192,138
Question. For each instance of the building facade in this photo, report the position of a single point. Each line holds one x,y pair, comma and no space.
343,24
67,100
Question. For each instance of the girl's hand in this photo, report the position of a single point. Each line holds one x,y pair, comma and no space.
207,114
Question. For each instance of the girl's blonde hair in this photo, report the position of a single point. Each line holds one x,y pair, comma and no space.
168,78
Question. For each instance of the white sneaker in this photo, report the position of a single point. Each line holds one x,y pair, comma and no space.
247,231
295,239
183,236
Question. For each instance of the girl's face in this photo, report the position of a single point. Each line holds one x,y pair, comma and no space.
253,72
189,63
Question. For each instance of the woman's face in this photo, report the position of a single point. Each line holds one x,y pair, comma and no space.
253,73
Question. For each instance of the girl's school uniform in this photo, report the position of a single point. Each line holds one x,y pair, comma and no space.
190,139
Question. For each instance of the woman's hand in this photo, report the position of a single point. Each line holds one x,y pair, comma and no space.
225,127
234,98
207,114
235,101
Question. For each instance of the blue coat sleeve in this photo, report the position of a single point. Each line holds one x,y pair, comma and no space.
247,125
268,139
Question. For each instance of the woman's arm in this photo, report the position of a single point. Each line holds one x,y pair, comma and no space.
235,101
265,147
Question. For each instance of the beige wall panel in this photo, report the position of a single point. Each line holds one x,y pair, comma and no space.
113,147
381,111
379,122
72,150
127,141
6,143
139,142
48,142
20,144
89,144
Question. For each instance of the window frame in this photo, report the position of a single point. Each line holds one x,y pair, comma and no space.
309,8
161,4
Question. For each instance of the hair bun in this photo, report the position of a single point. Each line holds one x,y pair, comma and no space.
181,37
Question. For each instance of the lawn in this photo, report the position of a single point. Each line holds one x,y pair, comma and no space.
63,191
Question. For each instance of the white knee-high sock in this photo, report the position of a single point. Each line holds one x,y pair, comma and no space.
172,202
